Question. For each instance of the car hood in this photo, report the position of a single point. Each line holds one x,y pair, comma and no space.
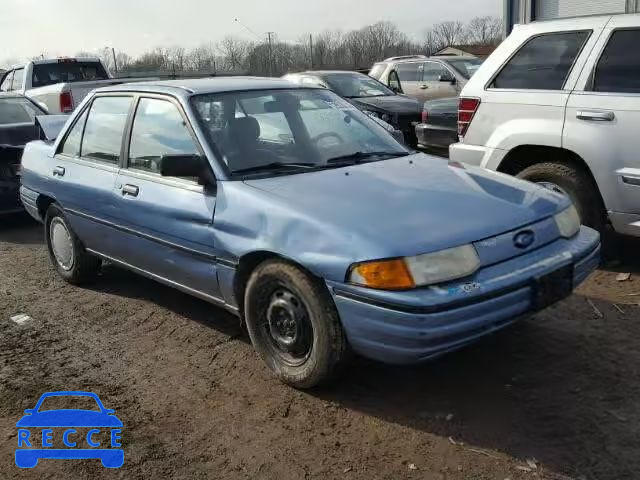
69,418
411,205
390,103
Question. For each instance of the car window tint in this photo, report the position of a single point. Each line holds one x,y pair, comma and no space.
409,72
67,71
619,67
432,72
158,129
17,110
543,63
64,402
105,125
18,76
71,145
6,83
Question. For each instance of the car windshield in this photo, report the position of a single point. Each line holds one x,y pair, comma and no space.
17,110
466,66
287,131
69,402
356,85
67,71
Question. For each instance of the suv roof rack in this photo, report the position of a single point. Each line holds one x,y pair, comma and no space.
404,57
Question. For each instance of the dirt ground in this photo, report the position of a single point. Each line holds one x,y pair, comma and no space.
554,397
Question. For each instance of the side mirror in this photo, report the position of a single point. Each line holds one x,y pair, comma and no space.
447,78
185,166
109,411
29,411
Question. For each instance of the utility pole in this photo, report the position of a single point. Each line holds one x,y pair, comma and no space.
311,49
269,34
115,61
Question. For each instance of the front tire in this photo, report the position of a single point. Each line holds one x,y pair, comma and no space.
574,182
68,255
293,324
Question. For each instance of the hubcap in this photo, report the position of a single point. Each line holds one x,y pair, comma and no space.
554,188
288,324
61,244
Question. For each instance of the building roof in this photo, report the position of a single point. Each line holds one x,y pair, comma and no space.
198,86
475,50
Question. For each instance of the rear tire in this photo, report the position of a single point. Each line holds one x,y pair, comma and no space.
577,184
68,255
293,324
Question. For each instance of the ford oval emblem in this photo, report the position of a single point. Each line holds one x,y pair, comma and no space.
524,239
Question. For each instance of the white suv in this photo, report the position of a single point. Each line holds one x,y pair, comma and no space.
559,103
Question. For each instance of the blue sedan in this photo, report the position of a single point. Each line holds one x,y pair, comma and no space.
287,206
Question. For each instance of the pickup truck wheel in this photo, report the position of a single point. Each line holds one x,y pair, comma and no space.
68,255
293,324
574,182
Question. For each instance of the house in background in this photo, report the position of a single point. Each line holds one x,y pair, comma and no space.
479,51
525,11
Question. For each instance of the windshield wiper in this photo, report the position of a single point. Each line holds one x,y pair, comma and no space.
357,157
275,166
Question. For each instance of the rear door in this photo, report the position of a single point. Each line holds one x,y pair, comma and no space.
603,115
85,168
431,86
167,221
410,76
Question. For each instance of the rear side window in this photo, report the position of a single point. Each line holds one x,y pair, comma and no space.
104,128
409,72
18,77
618,70
71,144
67,71
377,70
17,110
543,63
433,71
158,129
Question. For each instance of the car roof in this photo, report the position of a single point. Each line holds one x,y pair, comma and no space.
320,73
199,86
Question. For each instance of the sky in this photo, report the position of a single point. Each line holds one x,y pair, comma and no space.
65,27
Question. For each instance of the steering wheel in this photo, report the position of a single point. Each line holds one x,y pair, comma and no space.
324,135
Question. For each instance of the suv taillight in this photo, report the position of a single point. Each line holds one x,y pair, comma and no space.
467,108
66,102
425,116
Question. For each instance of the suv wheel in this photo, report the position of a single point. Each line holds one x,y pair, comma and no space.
68,256
574,182
293,324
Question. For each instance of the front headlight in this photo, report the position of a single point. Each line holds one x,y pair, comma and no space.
410,272
568,222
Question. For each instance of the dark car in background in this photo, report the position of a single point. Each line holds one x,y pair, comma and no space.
17,127
439,126
370,96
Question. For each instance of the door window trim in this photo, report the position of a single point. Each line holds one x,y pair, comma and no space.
492,79
153,176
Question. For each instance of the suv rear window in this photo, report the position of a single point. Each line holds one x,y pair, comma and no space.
67,72
543,63
618,70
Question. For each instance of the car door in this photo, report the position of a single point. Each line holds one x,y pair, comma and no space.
168,221
85,168
410,76
602,116
432,87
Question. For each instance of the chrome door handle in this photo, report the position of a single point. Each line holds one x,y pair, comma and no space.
58,171
130,190
424,87
595,116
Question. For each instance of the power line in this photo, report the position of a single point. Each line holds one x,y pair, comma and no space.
247,29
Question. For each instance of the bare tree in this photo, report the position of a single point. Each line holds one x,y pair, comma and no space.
233,51
449,33
484,31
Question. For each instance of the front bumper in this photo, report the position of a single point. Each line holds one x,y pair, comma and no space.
417,325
